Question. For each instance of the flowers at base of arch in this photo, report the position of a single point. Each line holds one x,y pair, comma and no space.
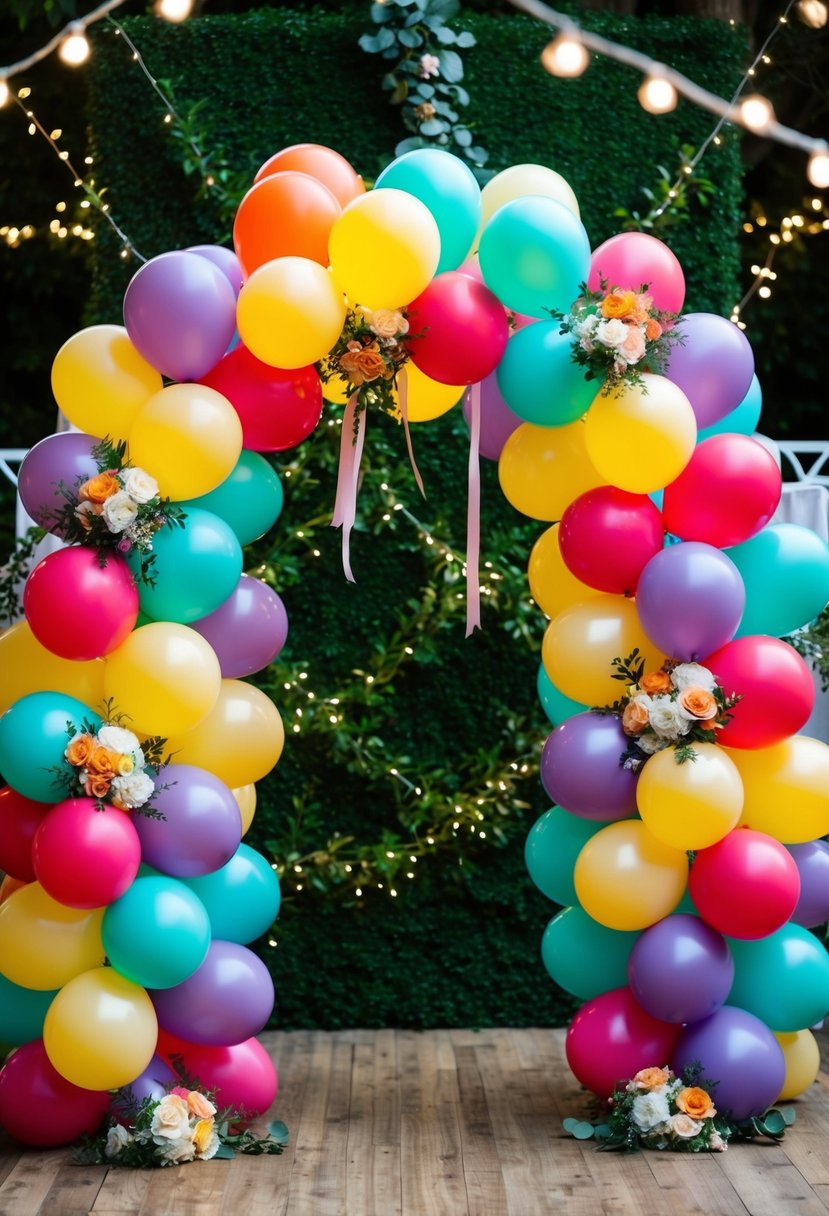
109,764
368,356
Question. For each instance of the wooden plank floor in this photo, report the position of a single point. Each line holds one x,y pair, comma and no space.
438,1123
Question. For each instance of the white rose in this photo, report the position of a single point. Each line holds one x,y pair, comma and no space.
133,790
611,333
175,1152
649,1111
119,512
667,719
684,1126
117,1138
117,739
140,486
687,674
171,1119
587,327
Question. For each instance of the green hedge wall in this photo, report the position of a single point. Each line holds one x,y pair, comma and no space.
460,944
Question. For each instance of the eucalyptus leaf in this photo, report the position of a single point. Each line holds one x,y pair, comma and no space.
226,1152
432,126
381,13
279,1131
463,137
774,1123
410,38
789,1115
445,36
451,66
425,90
466,39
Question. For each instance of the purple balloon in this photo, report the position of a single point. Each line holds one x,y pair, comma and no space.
66,457
812,861
228,1000
580,768
713,366
248,630
680,969
202,824
180,314
690,600
498,421
225,259
740,1052
154,1082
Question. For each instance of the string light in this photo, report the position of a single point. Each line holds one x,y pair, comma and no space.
4,91
565,56
818,168
69,42
812,13
756,113
656,94
74,49
173,11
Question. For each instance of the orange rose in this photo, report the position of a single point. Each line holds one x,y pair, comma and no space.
619,304
654,682
200,1106
79,750
635,718
101,763
363,366
653,329
96,786
699,703
652,1078
99,489
695,1102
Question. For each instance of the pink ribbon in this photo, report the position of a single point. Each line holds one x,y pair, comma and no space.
403,396
352,438
473,514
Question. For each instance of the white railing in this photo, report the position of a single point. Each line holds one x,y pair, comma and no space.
808,459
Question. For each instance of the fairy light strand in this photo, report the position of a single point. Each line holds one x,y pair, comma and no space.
76,25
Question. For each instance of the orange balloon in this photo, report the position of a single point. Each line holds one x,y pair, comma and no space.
326,165
286,215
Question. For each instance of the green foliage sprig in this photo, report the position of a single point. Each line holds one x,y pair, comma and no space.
674,199
14,573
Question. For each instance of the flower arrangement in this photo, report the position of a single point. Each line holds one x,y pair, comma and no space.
182,1126
116,511
368,355
108,763
618,334
676,706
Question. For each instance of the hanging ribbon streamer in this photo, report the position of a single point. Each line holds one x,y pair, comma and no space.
473,514
352,438
403,396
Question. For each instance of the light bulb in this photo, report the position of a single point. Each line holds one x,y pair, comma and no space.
4,91
75,49
812,13
756,113
173,10
657,95
818,169
565,56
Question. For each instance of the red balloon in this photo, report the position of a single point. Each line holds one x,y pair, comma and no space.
83,857
19,820
727,492
78,608
278,408
746,885
776,685
326,165
458,329
40,1107
607,537
242,1075
612,1037
287,214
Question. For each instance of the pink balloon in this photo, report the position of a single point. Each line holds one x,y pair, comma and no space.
78,608
242,1075
776,686
611,1038
746,885
631,259
277,408
608,536
41,1108
84,857
458,329
727,492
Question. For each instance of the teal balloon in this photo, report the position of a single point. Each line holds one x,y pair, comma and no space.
157,934
556,706
249,500
22,1011
785,568
196,568
584,957
743,419
242,898
534,253
539,380
783,979
34,732
448,188
551,850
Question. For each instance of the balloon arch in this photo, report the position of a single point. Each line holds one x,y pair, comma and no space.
684,843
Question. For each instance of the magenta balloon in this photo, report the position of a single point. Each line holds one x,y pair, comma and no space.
458,329
612,1037
713,365
227,1000
65,457
741,1054
680,969
41,1108
154,1082
180,314
225,259
690,600
631,259
202,825
812,861
78,608
242,1075
607,537
85,857
497,419
580,768
248,630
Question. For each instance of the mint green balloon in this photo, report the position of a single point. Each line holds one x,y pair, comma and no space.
556,706
447,187
552,846
584,957
34,733
196,568
22,1011
157,934
539,380
242,897
785,569
249,500
783,979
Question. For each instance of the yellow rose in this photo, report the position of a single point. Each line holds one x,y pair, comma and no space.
122,764
695,1102
619,304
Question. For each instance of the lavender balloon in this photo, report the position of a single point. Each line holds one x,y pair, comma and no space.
680,969
713,366
225,259
227,1000
65,457
180,314
498,421
154,1082
690,600
581,769
201,828
812,861
248,630
738,1051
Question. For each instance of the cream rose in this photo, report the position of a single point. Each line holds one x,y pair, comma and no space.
117,1138
176,1152
171,1120
686,675
611,333
119,512
133,790
140,485
667,718
685,1127
650,1111
633,347
387,323
117,739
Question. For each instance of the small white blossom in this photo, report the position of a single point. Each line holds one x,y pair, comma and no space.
429,66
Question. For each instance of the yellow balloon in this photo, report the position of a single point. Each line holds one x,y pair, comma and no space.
519,180
28,667
582,641
627,879
384,248
543,468
552,585
44,944
786,788
245,797
164,678
189,437
640,437
335,389
427,398
100,381
802,1056
100,1031
690,805
290,312
8,887
239,741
